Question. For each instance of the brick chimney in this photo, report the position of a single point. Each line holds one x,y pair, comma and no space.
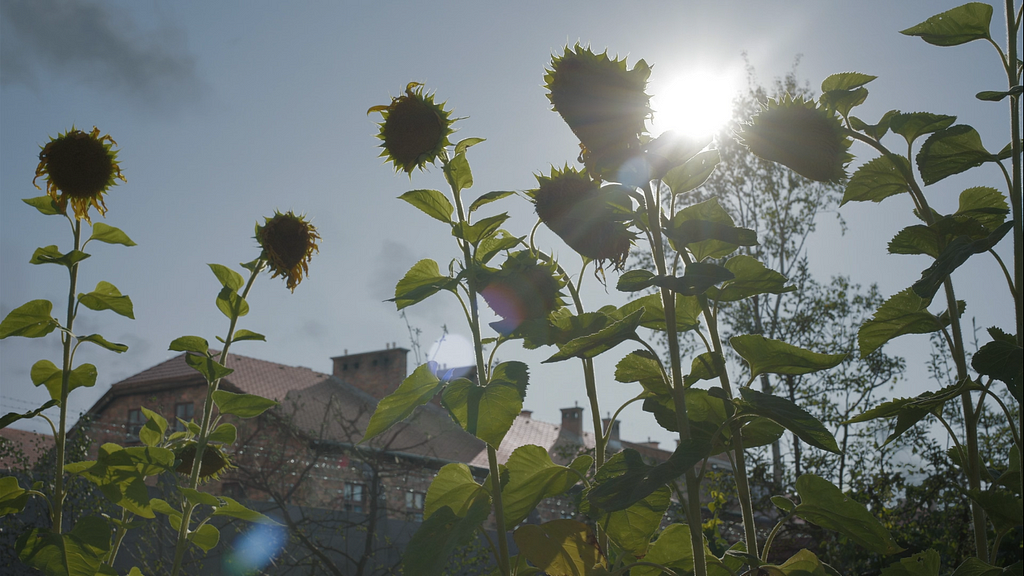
377,373
614,443
572,424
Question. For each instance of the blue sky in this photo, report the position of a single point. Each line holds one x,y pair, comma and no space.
225,111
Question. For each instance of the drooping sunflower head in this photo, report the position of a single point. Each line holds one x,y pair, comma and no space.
79,167
214,461
523,291
415,130
603,102
288,243
802,136
590,218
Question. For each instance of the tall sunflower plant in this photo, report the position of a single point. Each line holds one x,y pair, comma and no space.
79,169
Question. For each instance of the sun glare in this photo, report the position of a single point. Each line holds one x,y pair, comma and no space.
695,104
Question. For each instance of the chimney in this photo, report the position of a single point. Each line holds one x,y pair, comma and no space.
614,444
572,423
526,414
377,373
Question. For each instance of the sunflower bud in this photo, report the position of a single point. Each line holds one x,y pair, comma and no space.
522,291
288,243
586,216
415,130
603,103
214,461
801,136
79,168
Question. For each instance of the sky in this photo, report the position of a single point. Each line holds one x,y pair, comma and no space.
227,111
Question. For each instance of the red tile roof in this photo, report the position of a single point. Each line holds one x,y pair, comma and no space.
31,444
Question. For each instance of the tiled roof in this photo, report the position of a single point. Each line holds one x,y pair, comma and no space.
525,430
31,444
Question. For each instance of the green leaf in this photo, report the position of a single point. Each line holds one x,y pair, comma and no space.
233,509
635,280
985,205
903,313
479,231
457,172
791,417
414,391
208,367
106,233
957,26
13,497
231,304
909,411
605,339
227,277
916,239
824,505
845,81
241,335
190,344
52,255
12,417
750,277
1002,507
625,479
78,553
488,198
162,507
767,356
534,477
951,151
30,320
107,297
560,548
512,372
913,125
196,497
674,549
467,143
996,95
44,204
153,432
842,101
642,366
419,283
974,567
699,277
490,246
704,367
205,537
692,231
877,180
876,131
688,312
242,405
46,373
104,343
226,433
1001,360
442,533
955,253
693,172
631,529
711,211
783,503
486,412
922,564
432,203
454,488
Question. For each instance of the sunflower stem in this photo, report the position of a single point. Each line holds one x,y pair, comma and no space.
59,490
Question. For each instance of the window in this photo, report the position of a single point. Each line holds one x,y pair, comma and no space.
232,490
354,497
184,411
414,506
135,424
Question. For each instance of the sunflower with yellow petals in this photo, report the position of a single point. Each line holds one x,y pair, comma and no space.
415,130
288,243
79,167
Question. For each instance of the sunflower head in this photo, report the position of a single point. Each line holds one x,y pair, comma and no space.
213,464
524,290
79,167
415,130
590,218
804,137
288,243
603,102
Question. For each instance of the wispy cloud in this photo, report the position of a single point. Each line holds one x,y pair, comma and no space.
94,44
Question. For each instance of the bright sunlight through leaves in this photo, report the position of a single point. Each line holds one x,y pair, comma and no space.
695,103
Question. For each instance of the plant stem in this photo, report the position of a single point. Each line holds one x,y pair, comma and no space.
65,383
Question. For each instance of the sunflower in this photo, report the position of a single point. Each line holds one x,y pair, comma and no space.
79,168
288,243
415,130
214,461
603,102
802,136
590,218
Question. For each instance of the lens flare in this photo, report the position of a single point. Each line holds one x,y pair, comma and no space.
254,549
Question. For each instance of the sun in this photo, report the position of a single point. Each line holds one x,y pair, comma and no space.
695,103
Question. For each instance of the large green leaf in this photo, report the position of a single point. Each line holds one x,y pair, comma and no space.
208,367
30,320
903,313
107,297
704,366
688,312
77,553
693,172
11,417
532,477
190,344
454,488
104,343
226,433
205,537
644,367
605,339
955,253
913,125
699,277
417,389
877,179
707,211
674,549
231,304
1002,507
750,277
420,282
824,505
46,373
46,205
479,231
1001,360
12,496
631,529
52,255
953,27
626,479
635,280
487,412
242,405
106,233
233,509
790,416
227,277
984,204
153,432
974,567
561,548
487,198
432,203
438,536
951,151
764,355
910,411
457,172
512,372
803,563
921,564
845,81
